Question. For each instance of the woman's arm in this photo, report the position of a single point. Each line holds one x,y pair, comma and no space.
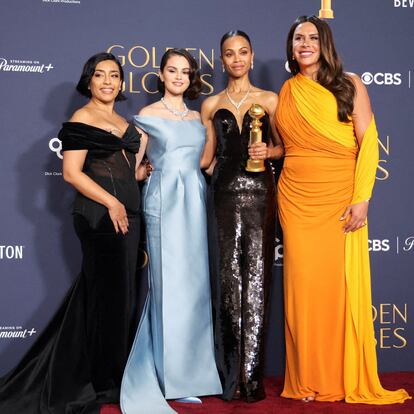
209,151
362,115
73,162
361,118
142,170
72,173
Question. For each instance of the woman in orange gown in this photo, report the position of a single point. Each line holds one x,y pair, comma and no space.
328,130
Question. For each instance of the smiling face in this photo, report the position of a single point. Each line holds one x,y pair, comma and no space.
306,47
237,56
106,81
176,75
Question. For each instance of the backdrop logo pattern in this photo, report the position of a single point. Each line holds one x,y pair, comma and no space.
62,1
390,320
384,148
287,68
404,3
16,332
20,65
405,245
140,57
11,252
55,145
397,244
379,245
382,78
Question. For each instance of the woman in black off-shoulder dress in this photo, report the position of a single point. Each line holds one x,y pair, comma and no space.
77,363
242,218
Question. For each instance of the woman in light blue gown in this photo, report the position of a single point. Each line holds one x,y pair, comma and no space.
173,353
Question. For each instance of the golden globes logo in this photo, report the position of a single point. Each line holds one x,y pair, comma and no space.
140,64
384,147
391,321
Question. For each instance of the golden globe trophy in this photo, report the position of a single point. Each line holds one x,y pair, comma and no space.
256,112
326,11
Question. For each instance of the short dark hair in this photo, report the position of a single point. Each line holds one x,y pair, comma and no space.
194,90
89,69
234,33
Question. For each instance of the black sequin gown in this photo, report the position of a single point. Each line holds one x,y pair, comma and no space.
242,233
77,363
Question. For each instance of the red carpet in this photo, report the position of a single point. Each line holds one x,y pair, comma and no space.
274,404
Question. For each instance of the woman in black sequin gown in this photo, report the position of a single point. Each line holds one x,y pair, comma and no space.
242,222
77,363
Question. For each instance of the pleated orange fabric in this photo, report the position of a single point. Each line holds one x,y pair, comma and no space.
330,343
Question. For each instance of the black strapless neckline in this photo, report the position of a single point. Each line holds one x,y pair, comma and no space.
241,225
245,116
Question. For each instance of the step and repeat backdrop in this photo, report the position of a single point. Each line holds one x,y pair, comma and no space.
43,46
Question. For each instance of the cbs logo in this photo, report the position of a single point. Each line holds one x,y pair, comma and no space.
381,78
376,245
55,145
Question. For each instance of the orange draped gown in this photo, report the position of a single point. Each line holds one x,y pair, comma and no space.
330,343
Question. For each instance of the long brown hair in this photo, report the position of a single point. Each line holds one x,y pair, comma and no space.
331,74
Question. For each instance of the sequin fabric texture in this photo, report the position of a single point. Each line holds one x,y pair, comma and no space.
242,232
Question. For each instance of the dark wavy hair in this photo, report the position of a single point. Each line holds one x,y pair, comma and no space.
331,74
89,69
194,89
234,33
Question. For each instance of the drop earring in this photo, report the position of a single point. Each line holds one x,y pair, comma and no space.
252,65
222,68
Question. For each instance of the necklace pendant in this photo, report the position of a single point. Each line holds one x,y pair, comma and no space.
238,105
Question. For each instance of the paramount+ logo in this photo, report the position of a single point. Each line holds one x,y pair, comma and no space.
382,78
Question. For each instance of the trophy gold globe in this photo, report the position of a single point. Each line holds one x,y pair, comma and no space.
326,11
256,112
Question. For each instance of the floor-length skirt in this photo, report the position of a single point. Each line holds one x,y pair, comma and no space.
314,273
242,235
173,352
77,363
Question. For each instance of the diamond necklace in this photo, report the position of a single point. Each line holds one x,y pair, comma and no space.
175,112
237,105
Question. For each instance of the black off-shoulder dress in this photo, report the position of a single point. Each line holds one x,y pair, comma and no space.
78,361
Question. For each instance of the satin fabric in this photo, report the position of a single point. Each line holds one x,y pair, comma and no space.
330,343
173,354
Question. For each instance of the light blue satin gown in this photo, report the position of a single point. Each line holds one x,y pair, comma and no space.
173,353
